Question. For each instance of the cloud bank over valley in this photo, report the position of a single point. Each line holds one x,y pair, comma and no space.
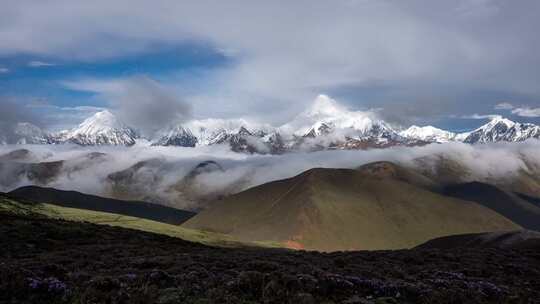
192,177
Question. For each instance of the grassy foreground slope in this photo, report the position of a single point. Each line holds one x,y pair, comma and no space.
13,206
50,261
343,209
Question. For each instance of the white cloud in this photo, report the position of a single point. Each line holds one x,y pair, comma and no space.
480,116
95,85
4,70
286,51
57,118
526,112
82,109
139,101
485,162
38,64
45,105
504,106
523,111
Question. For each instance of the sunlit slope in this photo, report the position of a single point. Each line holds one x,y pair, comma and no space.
103,218
342,209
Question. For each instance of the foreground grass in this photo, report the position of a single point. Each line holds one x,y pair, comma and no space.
111,219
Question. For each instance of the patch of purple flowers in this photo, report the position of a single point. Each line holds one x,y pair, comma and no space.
487,288
50,285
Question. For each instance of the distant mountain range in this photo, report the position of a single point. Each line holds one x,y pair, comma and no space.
324,125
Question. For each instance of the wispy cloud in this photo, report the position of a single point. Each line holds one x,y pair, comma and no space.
526,112
93,85
39,64
44,105
522,111
4,70
480,116
504,106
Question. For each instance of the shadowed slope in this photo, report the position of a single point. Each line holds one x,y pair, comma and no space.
521,211
522,239
342,209
79,200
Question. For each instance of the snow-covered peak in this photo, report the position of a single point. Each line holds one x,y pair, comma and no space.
328,113
496,126
427,133
498,120
213,130
502,129
103,128
104,120
324,107
175,135
228,125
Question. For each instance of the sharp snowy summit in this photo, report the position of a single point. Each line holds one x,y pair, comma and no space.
325,115
325,124
103,128
175,135
502,129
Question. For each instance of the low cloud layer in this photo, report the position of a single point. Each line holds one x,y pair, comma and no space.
162,175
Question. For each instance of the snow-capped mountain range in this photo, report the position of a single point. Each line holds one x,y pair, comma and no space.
324,125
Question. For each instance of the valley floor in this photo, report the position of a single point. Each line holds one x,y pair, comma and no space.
54,261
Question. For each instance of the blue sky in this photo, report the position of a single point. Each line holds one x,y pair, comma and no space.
34,76
442,63
40,82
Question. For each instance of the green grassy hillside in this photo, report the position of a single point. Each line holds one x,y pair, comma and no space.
342,209
11,205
